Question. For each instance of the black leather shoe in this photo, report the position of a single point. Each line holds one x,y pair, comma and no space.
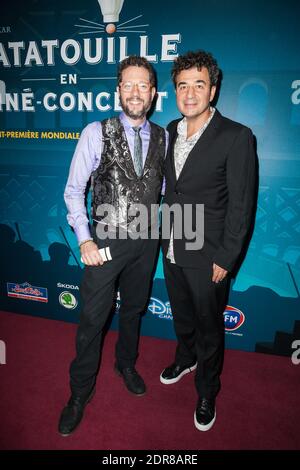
205,414
173,373
132,380
72,413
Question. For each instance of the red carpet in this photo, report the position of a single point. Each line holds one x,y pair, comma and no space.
258,407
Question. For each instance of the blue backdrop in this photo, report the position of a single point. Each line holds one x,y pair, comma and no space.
58,63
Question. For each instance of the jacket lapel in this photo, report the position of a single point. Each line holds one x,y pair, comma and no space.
169,163
203,142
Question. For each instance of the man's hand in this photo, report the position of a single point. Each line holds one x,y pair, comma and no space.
90,254
218,273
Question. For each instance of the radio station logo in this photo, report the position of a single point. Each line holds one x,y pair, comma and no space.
27,291
67,300
233,318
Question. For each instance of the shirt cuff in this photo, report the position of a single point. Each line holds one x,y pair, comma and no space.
82,232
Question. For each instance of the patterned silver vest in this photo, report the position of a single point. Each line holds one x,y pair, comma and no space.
115,182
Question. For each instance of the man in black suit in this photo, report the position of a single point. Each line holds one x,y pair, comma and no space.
211,162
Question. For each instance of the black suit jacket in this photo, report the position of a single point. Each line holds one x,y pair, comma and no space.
220,172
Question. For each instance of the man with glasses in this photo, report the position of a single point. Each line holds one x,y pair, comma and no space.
210,163
124,157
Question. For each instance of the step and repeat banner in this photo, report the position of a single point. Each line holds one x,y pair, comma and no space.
58,63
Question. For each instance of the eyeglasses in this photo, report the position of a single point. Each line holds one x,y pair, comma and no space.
143,87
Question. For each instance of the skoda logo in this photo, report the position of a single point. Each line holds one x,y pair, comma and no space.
68,300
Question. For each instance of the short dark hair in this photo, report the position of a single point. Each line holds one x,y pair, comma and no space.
197,59
136,61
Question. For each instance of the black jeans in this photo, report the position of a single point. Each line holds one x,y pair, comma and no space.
132,265
198,304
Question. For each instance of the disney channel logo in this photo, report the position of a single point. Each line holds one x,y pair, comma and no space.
156,307
160,308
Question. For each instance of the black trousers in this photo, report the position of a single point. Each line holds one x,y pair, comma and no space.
132,265
197,305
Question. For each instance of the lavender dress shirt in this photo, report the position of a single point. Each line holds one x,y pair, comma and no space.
86,159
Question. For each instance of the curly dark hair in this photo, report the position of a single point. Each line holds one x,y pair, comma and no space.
136,61
197,59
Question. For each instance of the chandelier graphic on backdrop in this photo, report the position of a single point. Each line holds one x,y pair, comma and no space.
110,10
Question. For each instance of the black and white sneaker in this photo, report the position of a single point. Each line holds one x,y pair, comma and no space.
173,373
205,414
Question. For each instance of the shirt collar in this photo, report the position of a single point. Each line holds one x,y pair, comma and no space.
182,127
145,126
